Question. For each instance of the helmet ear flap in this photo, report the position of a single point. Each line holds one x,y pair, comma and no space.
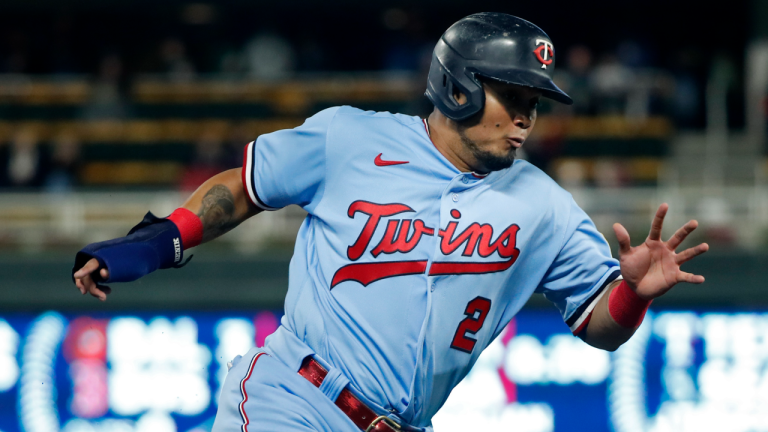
442,86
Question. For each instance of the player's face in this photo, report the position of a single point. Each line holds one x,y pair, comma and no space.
506,120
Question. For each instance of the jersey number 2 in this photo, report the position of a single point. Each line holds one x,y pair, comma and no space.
476,311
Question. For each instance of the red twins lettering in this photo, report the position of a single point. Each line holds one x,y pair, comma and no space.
389,244
403,235
479,237
375,212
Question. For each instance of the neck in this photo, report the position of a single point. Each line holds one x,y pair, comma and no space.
446,139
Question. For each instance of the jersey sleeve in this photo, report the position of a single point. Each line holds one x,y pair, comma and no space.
577,278
288,166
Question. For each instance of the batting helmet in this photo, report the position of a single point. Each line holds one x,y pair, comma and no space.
491,45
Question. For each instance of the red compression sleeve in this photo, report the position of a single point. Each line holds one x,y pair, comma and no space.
626,307
190,226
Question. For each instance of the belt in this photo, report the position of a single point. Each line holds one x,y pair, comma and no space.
354,408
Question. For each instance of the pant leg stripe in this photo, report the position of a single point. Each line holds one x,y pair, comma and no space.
243,415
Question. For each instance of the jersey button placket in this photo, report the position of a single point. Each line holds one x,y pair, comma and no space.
455,197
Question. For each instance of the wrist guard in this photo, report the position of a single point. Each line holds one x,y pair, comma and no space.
153,244
626,307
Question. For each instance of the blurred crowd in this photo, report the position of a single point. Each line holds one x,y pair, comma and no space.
625,81
628,80
55,165
28,164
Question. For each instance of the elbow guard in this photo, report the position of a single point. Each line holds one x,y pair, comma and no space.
153,244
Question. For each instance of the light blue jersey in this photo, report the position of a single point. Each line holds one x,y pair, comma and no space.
406,268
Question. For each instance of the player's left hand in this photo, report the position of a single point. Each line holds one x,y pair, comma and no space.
653,268
85,283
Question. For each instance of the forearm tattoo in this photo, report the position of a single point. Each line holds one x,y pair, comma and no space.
217,212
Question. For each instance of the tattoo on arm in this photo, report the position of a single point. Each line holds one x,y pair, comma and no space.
217,212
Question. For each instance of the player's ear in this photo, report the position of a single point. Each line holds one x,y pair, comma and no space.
460,97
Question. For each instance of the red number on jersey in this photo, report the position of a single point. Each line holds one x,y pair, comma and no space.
476,311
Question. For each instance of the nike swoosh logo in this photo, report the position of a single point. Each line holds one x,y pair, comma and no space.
379,162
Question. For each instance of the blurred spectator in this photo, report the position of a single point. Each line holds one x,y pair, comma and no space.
107,100
175,64
543,148
209,161
571,174
269,56
611,81
609,173
634,57
65,161
575,79
686,99
24,159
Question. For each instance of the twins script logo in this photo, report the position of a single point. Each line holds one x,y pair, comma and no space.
544,52
402,235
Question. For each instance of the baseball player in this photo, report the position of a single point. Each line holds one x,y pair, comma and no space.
424,237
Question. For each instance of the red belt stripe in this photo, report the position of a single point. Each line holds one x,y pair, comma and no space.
354,408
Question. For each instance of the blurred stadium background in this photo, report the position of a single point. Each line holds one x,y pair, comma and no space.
111,108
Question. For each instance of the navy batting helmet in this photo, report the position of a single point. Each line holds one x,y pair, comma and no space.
491,45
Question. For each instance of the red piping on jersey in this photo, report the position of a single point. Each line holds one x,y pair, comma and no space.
244,428
583,325
248,185
243,169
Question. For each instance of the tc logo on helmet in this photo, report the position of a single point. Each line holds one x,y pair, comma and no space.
544,52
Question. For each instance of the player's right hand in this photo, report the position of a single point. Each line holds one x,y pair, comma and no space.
85,283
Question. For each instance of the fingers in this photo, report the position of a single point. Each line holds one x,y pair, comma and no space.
87,269
691,253
623,237
658,222
91,287
80,286
99,292
690,278
85,283
681,234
